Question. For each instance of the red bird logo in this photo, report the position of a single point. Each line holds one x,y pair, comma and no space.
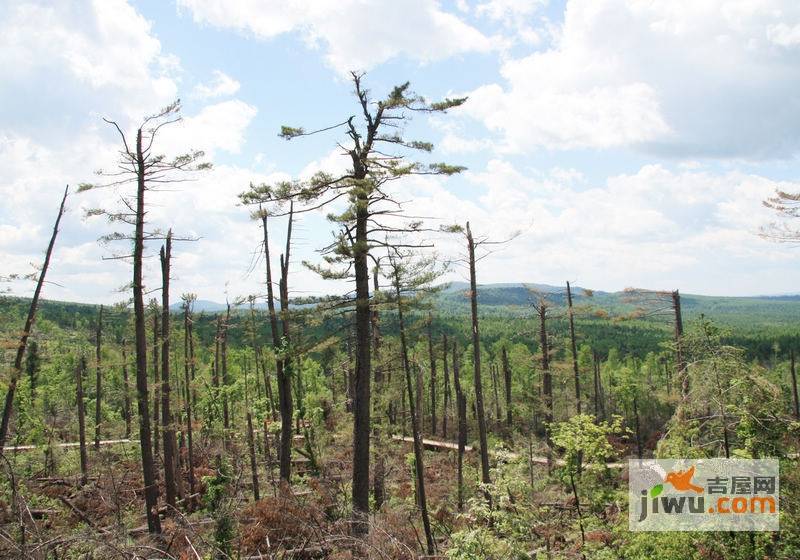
682,480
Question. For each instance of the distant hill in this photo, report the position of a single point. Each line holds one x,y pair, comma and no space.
515,300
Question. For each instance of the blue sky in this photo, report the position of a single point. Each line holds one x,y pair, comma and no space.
631,143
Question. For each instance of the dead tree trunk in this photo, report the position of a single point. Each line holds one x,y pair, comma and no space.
415,424
156,378
446,374
793,372
574,349
476,353
187,405
507,378
261,362
547,378
599,403
192,364
378,482
680,361
26,331
98,383
639,449
170,485
432,360
251,444
215,375
224,349
148,466
461,407
284,381
79,371
495,390
126,403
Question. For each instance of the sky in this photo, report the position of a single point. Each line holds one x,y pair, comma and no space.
629,142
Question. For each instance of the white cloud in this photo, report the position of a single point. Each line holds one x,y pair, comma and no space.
356,35
656,228
681,78
221,85
103,46
220,126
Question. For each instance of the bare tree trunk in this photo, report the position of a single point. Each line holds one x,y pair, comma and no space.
420,395
507,377
170,484
350,381
378,482
476,352
79,371
156,379
574,349
598,392
415,424
26,331
639,449
461,406
215,376
547,378
281,364
224,344
145,441
98,387
680,362
259,361
432,359
793,372
361,404
126,406
192,366
495,383
251,445
187,405
447,398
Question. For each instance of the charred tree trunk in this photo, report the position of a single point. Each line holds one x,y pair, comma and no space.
126,403
79,372
26,331
476,353
574,350
170,484
98,382
507,378
145,436
415,424
432,360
